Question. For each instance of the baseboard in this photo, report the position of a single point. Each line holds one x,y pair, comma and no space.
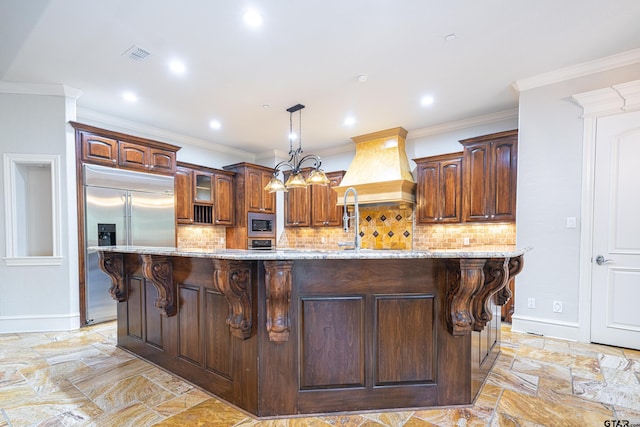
39,323
545,327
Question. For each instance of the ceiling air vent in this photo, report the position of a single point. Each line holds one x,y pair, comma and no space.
136,53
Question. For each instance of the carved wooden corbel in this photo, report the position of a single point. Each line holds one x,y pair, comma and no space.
233,280
463,283
278,296
515,266
111,263
159,271
496,275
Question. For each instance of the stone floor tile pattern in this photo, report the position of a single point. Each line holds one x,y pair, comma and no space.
80,378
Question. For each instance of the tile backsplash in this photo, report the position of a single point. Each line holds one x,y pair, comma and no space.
381,227
393,227
201,237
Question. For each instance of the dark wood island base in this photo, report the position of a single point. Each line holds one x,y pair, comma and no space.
287,333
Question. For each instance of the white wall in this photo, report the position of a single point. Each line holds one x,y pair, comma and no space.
549,191
39,298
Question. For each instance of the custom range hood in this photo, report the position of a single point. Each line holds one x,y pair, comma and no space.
380,170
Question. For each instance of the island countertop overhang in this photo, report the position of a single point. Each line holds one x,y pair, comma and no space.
471,252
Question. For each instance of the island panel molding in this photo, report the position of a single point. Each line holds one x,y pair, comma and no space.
233,280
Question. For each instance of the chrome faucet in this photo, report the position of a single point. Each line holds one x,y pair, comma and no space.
356,217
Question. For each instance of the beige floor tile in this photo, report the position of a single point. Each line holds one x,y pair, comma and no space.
80,378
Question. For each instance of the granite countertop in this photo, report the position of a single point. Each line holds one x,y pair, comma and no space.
293,254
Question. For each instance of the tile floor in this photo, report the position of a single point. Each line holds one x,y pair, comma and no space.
80,378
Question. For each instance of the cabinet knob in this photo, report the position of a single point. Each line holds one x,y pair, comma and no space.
486,216
114,160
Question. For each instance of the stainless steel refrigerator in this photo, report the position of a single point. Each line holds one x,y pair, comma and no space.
122,208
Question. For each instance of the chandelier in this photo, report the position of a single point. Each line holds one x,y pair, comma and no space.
296,160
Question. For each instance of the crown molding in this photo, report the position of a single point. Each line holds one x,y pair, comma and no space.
106,120
463,124
579,70
609,100
20,88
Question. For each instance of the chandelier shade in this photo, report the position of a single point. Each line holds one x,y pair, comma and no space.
296,162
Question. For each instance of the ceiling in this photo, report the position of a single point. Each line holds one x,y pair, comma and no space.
309,52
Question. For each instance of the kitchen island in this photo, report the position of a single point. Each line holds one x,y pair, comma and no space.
289,332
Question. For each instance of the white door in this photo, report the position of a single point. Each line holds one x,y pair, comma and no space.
615,302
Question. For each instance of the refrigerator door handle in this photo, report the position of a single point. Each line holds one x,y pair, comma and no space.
128,217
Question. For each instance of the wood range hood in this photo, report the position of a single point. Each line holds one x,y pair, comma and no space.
380,170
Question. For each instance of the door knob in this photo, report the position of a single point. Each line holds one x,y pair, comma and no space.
600,260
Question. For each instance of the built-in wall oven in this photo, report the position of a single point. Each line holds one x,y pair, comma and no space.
261,231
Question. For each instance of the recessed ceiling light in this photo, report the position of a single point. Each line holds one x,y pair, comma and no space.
129,97
427,100
362,78
214,124
177,67
350,121
449,37
253,18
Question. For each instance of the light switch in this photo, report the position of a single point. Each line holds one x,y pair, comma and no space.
571,222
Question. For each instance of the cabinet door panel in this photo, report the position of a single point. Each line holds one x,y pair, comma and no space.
268,200
133,156
223,210
254,191
505,181
324,200
427,193
162,161
476,183
98,149
184,199
296,208
450,187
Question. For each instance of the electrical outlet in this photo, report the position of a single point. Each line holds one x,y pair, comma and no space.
465,241
531,303
557,306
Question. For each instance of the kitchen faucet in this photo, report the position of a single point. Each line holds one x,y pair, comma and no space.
346,218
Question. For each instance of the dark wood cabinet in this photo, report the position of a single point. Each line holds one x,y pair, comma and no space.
250,196
224,197
183,181
104,147
297,205
489,177
259,200
314,205
439,189
144,158
203,195
324,200
98,149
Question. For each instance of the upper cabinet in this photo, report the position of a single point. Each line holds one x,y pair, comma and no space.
259,200
203,195
325,211
489,177
183,183
100,146
314,205
297,205
251,180
439,189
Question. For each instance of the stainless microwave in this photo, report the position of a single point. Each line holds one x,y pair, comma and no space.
261,225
